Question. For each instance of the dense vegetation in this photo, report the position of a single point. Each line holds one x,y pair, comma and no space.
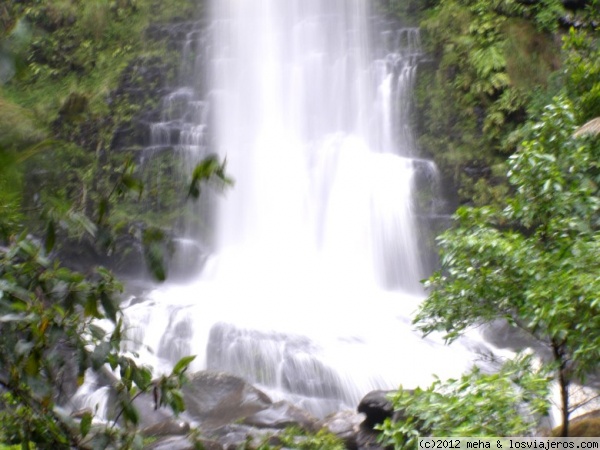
496,65
500,104
73,74
508,111
544,240
76,75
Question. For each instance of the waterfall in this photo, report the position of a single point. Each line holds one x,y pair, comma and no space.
314,274
306,115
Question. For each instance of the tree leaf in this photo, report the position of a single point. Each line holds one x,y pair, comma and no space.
132,184
99,356
97,332
176,401
183,364
109,305
85,424
130,412
50,236
142,377
103,209
153,241
91,307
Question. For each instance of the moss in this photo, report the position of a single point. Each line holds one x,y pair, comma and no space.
84,47
17,125
74,106
90,69
532,56
490,65
589,427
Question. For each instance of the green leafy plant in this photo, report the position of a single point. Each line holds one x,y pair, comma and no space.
296,438
582,67
494,63
534,262
48,320
505,403
65,57
210,168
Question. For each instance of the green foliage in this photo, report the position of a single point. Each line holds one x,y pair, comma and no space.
10,193
506,403
76,54
65,57
531,56
296,438
546,14
534,262
69,186
72,55
492,60
17,127
47,320
45,317
210,168
322,440
85,37
154,240
582,67
10,447
22,425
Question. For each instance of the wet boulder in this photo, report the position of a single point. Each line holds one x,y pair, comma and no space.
169,427
376,407
345,425
183,443
585,425
215,399
236,436
281,415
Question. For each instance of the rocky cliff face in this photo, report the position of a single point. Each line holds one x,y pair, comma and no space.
492,69
90,81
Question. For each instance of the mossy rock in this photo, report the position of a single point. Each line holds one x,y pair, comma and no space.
589,427
17,127
74,106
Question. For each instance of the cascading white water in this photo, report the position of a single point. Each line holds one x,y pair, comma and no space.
316,267
305,117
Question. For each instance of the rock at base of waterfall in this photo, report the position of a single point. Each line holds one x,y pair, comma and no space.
183,443
345,425
376,407
582,428
215,399
234,436
170,427
585,425
149,414
281,415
